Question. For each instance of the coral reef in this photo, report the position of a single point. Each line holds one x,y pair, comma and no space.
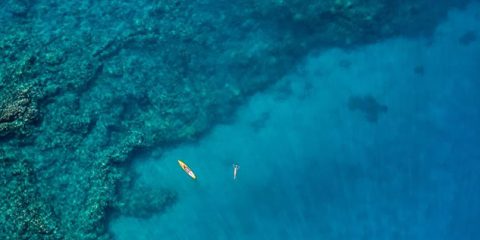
28,215
141,201
84,86
16,112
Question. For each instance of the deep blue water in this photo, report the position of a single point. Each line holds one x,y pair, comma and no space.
311,168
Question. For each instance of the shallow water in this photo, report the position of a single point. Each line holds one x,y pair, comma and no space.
311,168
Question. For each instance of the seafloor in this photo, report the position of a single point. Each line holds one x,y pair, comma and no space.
87,85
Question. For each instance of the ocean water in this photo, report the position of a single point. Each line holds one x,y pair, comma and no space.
349,119
377,142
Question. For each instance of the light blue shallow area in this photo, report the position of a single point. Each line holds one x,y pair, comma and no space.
310,168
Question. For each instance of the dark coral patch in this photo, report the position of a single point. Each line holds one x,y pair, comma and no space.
468,38
368,105
419,70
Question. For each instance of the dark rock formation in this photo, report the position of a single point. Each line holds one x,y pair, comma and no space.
468,37
368,105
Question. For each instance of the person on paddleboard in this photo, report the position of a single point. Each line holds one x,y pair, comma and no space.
235,170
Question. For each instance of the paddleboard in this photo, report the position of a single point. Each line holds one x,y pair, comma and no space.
187,169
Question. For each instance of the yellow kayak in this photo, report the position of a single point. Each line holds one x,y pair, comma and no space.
187,169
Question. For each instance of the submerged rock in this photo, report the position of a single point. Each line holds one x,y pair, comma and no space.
368,105
419,70
467,38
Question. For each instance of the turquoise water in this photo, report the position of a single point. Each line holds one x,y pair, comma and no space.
349,119
313,168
